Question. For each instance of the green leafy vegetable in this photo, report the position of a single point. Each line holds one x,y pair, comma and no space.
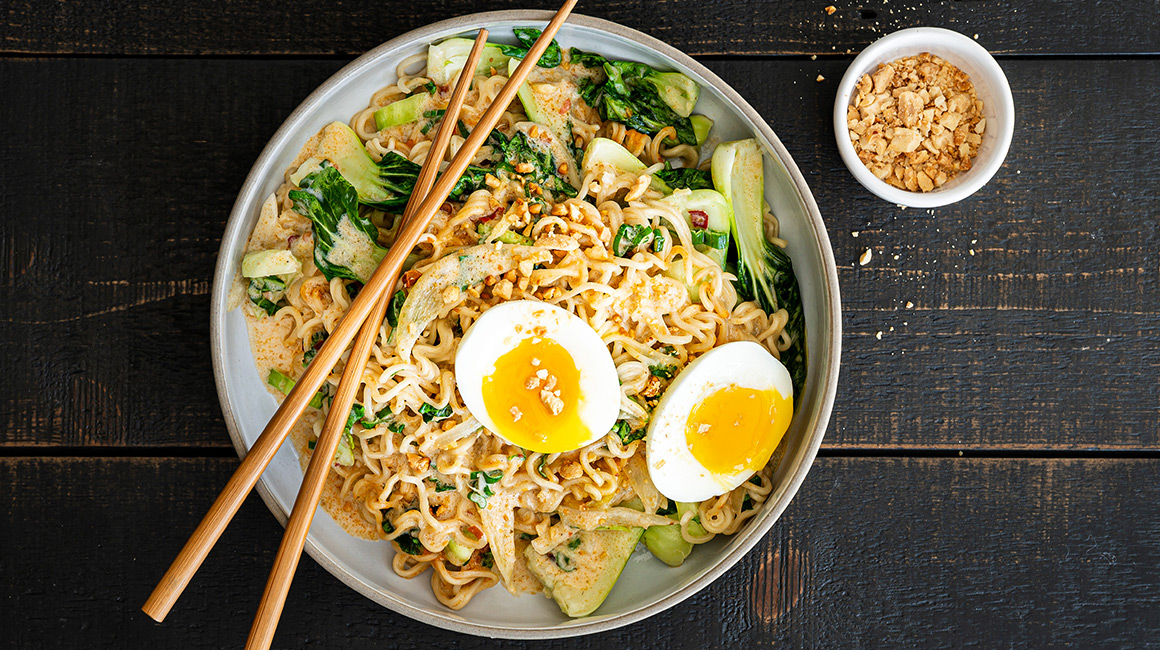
396,427
316,341
285,384
430,413
267,293
764,271
397,301
574,543
519,156
430,87
669,509
345,242
474,178
711,238
639,96
508,236
629,237
410,544
486,560
688,177
527,36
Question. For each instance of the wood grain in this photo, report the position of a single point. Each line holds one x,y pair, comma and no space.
314,27
129,168
931,553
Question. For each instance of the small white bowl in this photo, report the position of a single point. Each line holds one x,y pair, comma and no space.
990,86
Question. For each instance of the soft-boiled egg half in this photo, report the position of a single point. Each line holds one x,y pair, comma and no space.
538,376
719,422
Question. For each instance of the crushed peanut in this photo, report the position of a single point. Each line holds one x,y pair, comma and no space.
831,9
523,168
418,464
916,122
552,401
865,258
571,470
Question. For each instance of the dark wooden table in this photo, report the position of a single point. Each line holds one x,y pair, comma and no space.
991,476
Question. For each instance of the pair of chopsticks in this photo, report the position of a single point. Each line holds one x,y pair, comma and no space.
364,316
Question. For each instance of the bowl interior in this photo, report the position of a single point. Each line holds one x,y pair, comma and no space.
647,586
990,86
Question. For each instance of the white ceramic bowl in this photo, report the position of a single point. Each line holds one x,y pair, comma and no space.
647,586
990,86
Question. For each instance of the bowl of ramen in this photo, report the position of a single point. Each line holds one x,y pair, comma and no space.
608,365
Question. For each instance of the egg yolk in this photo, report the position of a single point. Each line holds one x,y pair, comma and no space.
533,397
735,428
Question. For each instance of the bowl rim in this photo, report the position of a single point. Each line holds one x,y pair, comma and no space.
825,383
976,177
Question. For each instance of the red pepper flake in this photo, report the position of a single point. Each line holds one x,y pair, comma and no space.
495,213
410,277
699,218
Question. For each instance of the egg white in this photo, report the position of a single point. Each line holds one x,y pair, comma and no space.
503,327
673,468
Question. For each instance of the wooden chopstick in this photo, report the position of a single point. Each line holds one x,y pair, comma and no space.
381,281
290,550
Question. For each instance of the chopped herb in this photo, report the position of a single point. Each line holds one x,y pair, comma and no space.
526,536
480,485
540,466
383,416
430,86
463,130
574,543
397,427
755,479
486,560
388,527
563,562
625,432
746,503
663,372
430,413
669,509
352,288
311,443
440,486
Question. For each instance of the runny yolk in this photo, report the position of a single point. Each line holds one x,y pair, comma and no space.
735,428
533,397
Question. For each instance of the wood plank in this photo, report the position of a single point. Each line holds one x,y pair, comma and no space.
931,553
699,27
129,168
